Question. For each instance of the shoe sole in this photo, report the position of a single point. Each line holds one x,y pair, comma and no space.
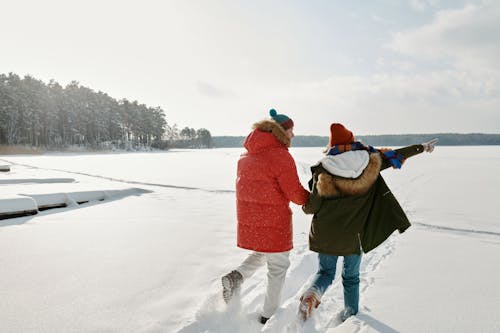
226,289
303,313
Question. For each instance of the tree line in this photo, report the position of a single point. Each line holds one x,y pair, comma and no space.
48,115
445,139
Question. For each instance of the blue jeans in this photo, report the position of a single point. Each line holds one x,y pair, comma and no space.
350,278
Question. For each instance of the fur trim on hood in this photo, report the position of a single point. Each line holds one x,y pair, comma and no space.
274,128
330,185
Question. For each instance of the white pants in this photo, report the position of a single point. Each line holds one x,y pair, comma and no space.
277,265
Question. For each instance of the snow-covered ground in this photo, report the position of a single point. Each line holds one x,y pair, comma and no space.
150,259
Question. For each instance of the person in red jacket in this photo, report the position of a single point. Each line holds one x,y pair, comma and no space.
266,182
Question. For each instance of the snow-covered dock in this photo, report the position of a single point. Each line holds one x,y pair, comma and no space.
30,204
4,168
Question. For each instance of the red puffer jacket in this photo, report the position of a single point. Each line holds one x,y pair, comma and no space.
266,182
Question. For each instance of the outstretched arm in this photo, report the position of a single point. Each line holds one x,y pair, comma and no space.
412,150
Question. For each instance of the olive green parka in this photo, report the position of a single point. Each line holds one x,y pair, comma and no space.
354,214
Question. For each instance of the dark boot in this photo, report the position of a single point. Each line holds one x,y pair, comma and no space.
346,313
231,283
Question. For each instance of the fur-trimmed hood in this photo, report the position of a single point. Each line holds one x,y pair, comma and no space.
349,164
269,125
329,185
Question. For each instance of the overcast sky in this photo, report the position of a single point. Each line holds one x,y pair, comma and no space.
379,67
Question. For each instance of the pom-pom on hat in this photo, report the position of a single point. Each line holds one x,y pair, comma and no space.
281,119
339,135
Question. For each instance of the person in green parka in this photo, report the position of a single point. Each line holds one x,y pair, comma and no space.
354,211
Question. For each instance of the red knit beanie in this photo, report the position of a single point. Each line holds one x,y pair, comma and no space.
339,135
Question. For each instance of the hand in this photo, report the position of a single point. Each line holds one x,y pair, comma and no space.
429,145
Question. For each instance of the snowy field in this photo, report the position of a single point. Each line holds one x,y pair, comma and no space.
149,257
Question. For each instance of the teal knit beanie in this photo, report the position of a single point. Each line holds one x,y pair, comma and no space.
281,119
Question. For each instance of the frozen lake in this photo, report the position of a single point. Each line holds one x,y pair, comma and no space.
151,262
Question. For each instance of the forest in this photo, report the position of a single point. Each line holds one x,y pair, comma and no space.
445,139
49,115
